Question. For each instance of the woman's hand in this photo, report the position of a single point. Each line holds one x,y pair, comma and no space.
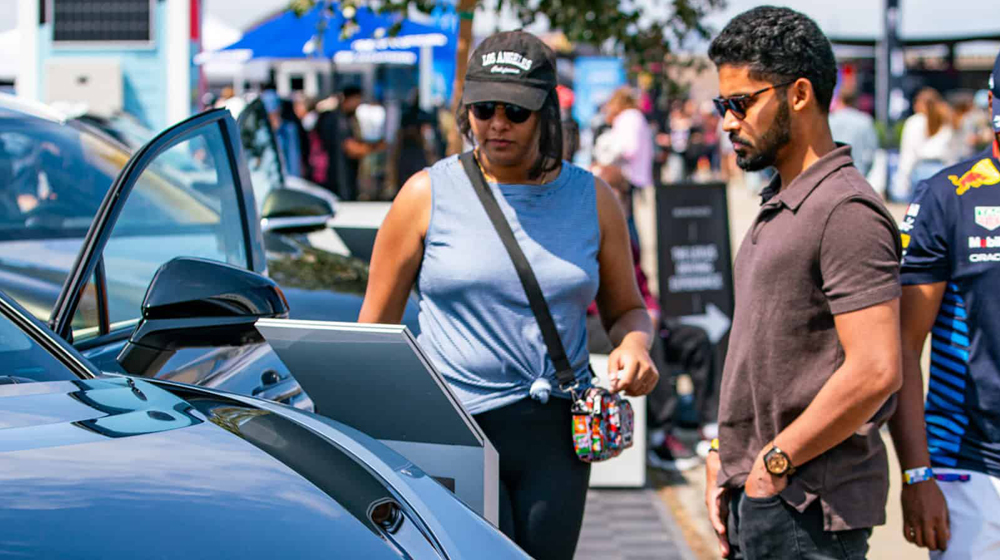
630,369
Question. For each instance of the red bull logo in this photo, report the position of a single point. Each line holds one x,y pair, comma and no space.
982,173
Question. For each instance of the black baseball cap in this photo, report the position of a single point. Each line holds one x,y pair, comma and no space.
511,67
995,88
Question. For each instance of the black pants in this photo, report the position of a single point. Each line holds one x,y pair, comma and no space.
686,349
543,486
770,529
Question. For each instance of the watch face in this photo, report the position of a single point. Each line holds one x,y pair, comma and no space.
776,463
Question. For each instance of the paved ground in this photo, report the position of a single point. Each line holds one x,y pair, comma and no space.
630,525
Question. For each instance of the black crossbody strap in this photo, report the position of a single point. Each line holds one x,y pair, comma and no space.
564,371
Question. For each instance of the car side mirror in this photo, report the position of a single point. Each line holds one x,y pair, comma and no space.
197,303
295,210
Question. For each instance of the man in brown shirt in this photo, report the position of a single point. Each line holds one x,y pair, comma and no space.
814,355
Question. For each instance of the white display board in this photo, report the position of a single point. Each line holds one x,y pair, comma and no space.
375,378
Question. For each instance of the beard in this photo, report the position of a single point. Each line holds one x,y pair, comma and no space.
776,137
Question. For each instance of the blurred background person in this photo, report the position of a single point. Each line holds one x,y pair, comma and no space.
341,137
972,124
571,138
926,146
412,149
301,107
292,129
313,153
285,130
855,128
631,139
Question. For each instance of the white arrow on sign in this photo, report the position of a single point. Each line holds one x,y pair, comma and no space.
713,321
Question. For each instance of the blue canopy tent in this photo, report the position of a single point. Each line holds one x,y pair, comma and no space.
367,39
286,47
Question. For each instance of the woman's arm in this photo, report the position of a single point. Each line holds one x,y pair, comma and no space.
398,251
620,303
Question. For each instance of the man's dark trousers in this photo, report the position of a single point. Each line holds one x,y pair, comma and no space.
770,529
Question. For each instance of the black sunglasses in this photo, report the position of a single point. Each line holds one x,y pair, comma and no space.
484,111
738,103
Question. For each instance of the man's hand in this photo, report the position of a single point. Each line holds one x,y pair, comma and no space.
717,500
925,515
762,484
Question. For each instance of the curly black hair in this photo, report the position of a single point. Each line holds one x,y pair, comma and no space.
779,44
550,139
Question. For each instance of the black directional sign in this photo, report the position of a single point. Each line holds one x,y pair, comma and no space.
695,259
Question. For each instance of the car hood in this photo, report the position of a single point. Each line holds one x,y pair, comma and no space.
115,467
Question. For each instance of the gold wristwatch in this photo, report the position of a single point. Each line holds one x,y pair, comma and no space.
777,462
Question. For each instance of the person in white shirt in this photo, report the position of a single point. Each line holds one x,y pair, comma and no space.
927,144
631,140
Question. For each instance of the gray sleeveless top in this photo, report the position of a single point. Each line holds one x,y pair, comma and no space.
475,321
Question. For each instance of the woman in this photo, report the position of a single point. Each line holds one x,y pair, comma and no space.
408,153
927,144
475,320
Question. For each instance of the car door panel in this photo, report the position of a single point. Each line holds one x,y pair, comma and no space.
156,211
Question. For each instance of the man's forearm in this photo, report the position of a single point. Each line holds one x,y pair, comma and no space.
852,395
907,425
357,149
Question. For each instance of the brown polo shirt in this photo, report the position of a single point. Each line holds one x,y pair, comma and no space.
822,246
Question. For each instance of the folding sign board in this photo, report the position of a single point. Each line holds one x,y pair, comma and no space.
375,378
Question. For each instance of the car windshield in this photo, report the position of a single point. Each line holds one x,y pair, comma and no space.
52,180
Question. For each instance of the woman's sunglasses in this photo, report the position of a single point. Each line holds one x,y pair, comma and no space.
738,104
484,111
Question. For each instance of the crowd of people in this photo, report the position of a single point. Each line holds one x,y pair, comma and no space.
329,142
322,140
938,134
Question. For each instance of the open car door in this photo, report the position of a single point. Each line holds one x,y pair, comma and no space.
179,203
186,194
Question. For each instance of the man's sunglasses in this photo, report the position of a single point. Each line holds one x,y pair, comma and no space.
738,103
484,111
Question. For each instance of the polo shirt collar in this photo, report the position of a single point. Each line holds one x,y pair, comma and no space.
802,186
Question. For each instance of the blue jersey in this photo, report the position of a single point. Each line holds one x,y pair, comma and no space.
952,234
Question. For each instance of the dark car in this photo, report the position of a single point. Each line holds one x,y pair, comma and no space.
105,466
